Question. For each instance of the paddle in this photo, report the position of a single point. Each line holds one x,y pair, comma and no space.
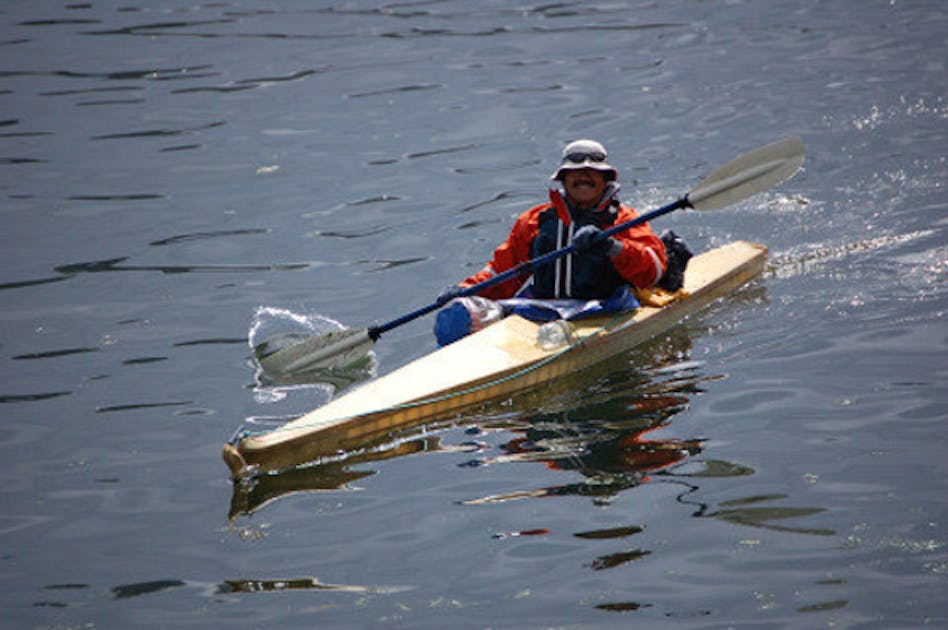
741,178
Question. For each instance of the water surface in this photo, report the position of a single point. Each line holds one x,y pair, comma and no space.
168,171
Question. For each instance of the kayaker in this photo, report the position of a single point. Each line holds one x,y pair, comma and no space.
583,201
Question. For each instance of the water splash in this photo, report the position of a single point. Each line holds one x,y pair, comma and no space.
809,257
905,108
270,322
273,329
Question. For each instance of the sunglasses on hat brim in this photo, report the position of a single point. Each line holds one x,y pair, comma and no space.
579,158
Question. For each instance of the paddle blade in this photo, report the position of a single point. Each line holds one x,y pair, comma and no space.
748,175
336,349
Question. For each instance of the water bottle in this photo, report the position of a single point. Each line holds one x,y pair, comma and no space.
555,334
483,312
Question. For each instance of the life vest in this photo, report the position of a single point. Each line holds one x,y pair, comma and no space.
579,275
641,262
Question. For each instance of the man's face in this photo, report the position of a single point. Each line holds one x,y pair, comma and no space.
584,187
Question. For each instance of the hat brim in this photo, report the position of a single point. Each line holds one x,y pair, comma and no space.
603,167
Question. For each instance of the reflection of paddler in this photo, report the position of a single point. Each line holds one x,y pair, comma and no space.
625,452
656,403
595,449
644,455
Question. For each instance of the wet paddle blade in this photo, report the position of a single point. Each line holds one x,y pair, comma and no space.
748,175
337,349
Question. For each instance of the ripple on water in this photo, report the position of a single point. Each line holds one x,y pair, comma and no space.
388,146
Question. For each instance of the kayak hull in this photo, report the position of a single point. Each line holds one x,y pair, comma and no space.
492,364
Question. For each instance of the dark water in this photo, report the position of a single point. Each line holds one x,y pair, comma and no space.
168,168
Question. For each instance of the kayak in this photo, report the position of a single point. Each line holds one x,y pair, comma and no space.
491,364
494,363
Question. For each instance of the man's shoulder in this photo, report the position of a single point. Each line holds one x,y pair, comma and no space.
540,207
533,214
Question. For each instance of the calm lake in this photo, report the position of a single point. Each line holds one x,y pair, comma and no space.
176,176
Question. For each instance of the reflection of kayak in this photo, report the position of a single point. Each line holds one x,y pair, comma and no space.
496,362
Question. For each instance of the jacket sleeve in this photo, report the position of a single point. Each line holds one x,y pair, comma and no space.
642,260
509,254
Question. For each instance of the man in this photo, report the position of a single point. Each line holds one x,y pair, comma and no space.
587,204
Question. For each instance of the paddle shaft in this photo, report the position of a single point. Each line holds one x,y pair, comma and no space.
739,179
528,266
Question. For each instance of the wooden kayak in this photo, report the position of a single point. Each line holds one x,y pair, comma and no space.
493,363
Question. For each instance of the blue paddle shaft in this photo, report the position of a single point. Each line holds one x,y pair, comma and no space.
528,266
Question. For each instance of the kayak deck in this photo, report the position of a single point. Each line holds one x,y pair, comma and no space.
498,361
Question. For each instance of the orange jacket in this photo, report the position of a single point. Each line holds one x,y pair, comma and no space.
641,262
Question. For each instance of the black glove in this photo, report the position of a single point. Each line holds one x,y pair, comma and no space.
449,293
588,239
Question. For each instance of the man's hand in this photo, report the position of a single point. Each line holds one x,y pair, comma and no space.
588,239
449,293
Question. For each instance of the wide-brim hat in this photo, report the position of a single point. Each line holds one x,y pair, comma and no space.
585,154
